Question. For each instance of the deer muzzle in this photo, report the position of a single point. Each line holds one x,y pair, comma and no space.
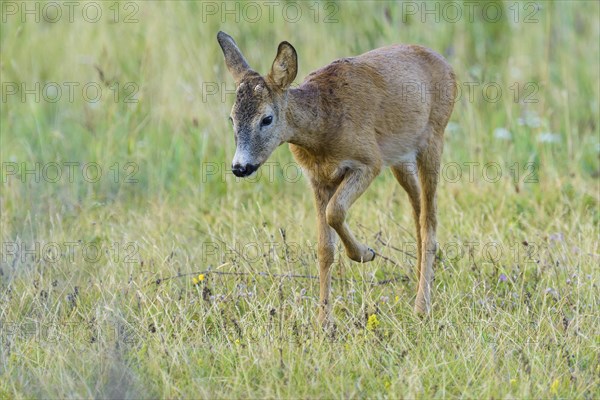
242,171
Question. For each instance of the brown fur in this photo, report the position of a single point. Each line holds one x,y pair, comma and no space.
344,123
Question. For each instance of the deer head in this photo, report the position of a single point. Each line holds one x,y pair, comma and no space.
258,114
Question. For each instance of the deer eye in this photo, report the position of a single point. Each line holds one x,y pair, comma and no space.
266,121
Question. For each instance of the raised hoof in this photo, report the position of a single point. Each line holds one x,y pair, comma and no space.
369,255
374,254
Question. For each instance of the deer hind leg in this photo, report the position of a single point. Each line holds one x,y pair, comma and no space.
406,175
428,161
325,250
355,182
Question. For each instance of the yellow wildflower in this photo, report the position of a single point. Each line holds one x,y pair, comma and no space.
200,277
397,298
195,281
554,386
513,381
387,384
237,342
372,322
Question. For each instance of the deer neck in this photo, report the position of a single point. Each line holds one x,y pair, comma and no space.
304,118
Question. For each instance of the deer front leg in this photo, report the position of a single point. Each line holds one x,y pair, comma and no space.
325,250
355,182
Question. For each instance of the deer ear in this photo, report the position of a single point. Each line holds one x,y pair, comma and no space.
285,67
235,61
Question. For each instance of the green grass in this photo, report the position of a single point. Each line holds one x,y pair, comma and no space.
515,304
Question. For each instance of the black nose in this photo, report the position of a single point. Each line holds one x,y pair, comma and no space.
242,171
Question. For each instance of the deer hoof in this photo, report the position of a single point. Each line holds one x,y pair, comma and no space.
368,254
374,254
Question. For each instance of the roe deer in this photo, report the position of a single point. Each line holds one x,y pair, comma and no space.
344,123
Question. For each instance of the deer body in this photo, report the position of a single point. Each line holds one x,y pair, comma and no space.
348,120
367,109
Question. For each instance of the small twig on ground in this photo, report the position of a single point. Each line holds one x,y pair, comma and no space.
386,244
158,281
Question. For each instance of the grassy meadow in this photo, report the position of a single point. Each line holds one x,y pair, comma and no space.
135,265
